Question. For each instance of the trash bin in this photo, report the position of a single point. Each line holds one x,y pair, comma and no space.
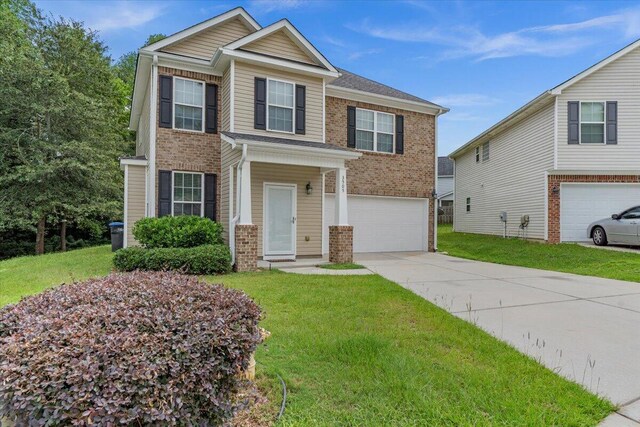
117,235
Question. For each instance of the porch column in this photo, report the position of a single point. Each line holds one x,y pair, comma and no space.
246,233
341,234
245,194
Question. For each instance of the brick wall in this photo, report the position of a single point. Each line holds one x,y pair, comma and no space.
189,151
341,244
246,247
553,205
404,175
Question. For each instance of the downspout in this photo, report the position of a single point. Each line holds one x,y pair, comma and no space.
435,182
153,108
234,220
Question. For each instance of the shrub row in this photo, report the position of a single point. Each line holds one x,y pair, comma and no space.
183,231
129,349
206,259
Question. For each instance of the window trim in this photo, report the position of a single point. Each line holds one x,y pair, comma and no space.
477,153
173,186
604,123
468,205
375,132
293,107
488,145
173,105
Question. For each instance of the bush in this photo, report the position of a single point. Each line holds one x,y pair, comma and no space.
206,259
133,349
183,231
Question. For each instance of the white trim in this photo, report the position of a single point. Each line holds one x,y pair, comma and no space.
239,12
232,95
376,131
173,104
555,133
125,219
265,222
546,205
455,195
384,100
173,183
594,172
380,197
295,36
322,216
292,108
603,123
324,112
322,153
188,63
153,116
133,162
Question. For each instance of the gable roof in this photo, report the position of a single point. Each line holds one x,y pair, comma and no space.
445,166
540,101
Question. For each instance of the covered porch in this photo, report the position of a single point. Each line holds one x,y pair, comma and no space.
272,199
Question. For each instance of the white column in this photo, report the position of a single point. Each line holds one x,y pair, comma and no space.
341,197
245,194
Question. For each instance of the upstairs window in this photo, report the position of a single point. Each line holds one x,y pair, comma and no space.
374,131
188,102
592,122
485,151
477,154
188,197
280,103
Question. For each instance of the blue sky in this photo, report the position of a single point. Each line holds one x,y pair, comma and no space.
481,59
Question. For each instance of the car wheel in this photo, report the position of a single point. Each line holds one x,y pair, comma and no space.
599,236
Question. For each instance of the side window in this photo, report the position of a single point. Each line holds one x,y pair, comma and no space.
477,154
632,213
592,122
485,151
468,204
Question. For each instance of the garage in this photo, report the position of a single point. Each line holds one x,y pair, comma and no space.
582,203
382,224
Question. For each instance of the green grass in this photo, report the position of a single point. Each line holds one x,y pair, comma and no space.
360,350
566,257
342,266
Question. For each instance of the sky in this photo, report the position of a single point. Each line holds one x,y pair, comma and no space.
482,60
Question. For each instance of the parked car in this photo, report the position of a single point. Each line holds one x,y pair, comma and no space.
621,229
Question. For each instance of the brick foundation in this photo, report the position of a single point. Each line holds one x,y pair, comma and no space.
554,197
246,247
341,243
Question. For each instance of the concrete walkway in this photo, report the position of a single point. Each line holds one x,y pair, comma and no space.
585,328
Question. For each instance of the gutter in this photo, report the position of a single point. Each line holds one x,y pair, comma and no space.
440,112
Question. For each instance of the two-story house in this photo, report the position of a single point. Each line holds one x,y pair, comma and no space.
254,128
569,157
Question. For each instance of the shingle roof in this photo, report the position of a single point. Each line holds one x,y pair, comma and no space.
275,140
445,166
133,158
349,80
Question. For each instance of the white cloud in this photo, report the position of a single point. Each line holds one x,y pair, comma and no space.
549,40
465,100
357,54
457,116
123,15
266,6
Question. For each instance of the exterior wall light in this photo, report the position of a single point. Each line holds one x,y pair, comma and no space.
555,189
309,188
434,193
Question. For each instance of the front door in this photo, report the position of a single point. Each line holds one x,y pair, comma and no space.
279,221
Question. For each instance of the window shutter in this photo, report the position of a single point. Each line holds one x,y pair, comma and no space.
210,190
573,121
211,109
612,122
351,127
300,109
166,101
164,193
260,100
399,134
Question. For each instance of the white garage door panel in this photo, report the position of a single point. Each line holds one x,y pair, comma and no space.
383,224
581,204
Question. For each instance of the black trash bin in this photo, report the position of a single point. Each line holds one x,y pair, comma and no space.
117,235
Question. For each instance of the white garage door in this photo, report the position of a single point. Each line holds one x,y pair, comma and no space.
383,224
581,204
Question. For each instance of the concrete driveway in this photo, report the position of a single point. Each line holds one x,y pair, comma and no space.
585,328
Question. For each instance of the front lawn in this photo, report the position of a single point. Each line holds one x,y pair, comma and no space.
360,350
566,257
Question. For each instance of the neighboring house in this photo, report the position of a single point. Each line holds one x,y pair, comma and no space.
565,159
252,126
445,181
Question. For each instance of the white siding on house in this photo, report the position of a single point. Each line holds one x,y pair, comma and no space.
512,180
136,182
618,81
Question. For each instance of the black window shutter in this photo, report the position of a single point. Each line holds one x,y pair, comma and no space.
300,109
351,127
211,112
210,190
166,95
573,121
612,122
399,134
164,193
260,99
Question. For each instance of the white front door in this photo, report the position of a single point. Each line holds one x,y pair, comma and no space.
279,221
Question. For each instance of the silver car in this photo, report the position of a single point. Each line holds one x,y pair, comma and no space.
620,229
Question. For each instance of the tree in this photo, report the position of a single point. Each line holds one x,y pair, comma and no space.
125,66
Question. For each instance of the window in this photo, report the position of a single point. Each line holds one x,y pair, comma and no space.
477,154
187,193
633,213
188,102
592,122
468,204
374,131
485,152
280,102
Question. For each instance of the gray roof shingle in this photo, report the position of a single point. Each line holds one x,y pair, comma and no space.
445,166
275,140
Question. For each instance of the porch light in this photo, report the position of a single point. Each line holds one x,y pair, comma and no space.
555,189
309,188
